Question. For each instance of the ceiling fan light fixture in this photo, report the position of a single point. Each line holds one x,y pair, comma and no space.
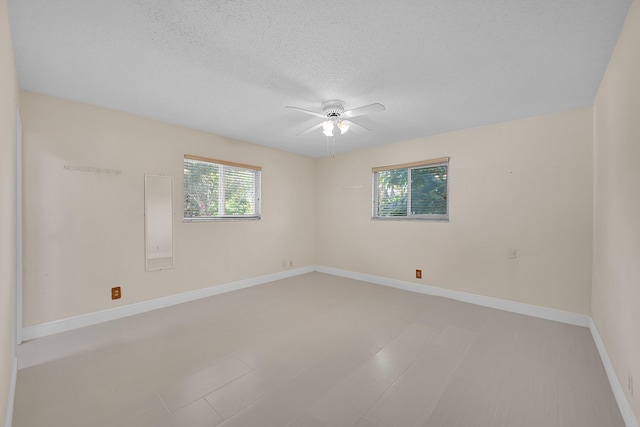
327,128
344,127
334,115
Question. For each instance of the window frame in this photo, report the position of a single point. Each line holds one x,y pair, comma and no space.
442,161
257,190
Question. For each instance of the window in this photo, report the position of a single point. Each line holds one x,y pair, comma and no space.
215,189
412,191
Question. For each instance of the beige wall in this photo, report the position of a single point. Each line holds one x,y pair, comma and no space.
616,228
8,103
543,186
524,184
84,232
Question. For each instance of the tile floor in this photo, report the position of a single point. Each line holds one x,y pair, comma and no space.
319,351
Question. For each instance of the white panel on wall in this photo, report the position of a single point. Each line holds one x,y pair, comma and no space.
18,278
158,212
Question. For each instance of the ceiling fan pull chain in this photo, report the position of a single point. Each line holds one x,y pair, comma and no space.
333,148
327,147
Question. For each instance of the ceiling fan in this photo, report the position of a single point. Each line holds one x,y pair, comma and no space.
334,115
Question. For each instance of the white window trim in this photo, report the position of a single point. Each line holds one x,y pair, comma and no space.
257,192
409,166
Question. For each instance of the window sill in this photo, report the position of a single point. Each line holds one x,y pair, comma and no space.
222,219
410,219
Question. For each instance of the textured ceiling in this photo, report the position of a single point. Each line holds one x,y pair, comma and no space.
231,66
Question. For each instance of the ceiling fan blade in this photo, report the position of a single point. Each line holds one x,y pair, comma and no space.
367,109
311,129
313,113
357,128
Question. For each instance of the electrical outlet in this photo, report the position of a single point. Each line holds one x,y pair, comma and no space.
291,263
418,274
116,293
513,254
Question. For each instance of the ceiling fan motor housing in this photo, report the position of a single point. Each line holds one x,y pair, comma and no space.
333,108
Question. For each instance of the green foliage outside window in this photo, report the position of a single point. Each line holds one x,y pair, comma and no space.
214,190
200,189
429,191
418,192
392,192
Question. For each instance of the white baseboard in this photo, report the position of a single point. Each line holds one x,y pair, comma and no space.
515,307
50,328
500,304
8,421
63,325
625,409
